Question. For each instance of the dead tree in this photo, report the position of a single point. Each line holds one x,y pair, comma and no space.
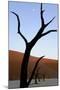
29,45
43,77
36,75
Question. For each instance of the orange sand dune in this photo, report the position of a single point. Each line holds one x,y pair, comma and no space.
48,67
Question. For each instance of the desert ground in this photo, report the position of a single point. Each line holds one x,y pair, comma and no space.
48,82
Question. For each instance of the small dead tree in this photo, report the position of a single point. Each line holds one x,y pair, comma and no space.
43,77
29,45
36,76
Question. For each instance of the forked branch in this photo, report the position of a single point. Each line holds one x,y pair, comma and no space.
19,32
33,72
48,32
42,19
41,30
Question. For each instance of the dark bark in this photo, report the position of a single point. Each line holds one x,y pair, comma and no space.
23,77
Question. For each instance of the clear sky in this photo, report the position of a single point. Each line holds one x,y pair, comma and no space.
29,14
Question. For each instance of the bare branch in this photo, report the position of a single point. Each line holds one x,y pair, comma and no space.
48,32
49,22
33,72
40,32
42,19
19,27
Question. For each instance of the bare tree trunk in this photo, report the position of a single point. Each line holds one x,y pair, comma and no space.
24,67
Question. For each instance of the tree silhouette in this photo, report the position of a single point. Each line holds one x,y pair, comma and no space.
29,45
37,75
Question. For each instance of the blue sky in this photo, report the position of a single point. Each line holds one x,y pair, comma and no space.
29,14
